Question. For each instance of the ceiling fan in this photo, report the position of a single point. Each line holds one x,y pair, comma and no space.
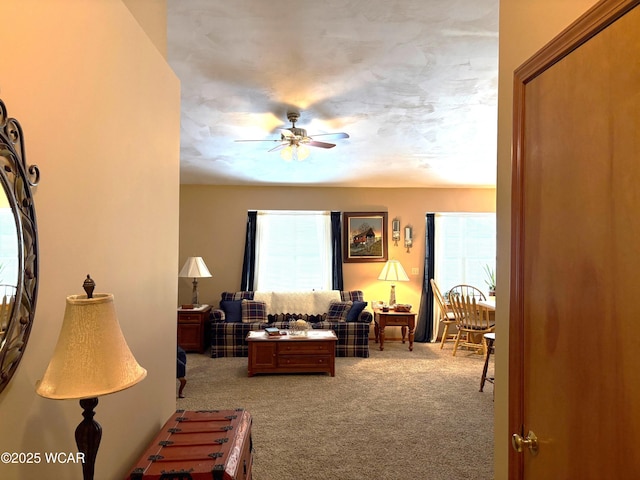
294,141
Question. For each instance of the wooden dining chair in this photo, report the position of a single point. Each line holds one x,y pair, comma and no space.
6,308
445,315
467,291
473,321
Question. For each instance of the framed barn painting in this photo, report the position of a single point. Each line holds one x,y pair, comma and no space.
364,237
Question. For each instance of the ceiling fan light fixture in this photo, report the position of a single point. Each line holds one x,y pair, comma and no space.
287,153
295,142
294,152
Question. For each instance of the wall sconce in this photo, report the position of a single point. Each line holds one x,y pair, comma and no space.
408,237
395,229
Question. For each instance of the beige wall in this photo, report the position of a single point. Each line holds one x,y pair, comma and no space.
525,27
100,111
152,17
213,226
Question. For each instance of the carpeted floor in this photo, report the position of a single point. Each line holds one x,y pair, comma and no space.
394,416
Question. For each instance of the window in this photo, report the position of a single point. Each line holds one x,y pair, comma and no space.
293,250
8,252
465,244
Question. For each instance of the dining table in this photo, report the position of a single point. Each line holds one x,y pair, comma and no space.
489,304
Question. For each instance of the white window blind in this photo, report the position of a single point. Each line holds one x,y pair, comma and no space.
293,250
464,244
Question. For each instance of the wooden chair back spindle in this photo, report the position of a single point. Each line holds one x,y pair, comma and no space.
446,316
472,320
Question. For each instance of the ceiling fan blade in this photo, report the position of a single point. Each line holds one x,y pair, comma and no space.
314,143
279,147
273,140
333,135
287,133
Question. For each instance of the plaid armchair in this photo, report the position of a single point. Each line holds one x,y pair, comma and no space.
228,339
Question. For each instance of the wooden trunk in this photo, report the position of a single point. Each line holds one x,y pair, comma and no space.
192,445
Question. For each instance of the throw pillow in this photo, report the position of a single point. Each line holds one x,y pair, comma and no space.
355,311
352,295
232,310
338,311
237,295
254,311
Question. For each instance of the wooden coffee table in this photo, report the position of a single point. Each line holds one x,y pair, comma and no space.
311,353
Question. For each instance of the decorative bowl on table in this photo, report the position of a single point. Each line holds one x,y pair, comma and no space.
403,308
299,327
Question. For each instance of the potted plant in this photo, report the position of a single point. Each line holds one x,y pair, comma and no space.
490,280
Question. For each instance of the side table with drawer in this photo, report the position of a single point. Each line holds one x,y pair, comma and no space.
193,328
383,319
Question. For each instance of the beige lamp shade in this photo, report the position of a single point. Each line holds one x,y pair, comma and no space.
194,267
393,272
92,357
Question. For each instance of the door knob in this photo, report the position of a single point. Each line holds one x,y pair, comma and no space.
530,441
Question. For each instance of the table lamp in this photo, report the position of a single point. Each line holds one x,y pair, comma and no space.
393,272
194,268
91,359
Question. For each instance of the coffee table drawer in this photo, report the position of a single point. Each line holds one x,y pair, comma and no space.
305,361
305,347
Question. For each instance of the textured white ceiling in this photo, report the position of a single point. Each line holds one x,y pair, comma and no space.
413,82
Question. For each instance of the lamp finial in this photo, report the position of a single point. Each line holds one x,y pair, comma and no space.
89,285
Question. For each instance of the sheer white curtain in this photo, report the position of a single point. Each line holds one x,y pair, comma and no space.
465,243
293,250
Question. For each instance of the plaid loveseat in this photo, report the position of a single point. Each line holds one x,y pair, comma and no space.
228,339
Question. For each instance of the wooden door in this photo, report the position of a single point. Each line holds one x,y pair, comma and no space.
574,340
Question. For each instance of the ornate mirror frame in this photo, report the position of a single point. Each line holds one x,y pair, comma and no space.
19,309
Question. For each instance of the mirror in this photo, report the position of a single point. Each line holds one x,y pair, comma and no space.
18,246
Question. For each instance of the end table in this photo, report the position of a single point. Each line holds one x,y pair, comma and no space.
194,328
393,318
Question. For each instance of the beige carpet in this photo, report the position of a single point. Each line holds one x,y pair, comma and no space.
394,416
